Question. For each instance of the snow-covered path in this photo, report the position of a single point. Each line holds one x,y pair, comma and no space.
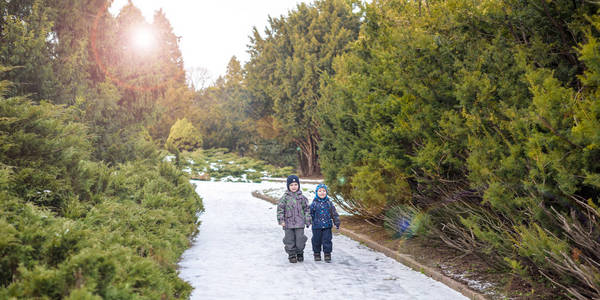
239,254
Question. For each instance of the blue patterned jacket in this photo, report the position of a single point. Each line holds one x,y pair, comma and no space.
323,212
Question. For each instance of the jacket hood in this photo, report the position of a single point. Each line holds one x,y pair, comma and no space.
321,185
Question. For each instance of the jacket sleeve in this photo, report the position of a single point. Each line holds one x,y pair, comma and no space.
334,215
281,209
306,210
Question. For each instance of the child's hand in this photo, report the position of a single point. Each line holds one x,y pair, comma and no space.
282,224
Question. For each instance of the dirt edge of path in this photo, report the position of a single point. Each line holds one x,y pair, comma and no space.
402,258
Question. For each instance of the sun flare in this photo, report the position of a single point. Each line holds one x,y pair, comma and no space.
143,38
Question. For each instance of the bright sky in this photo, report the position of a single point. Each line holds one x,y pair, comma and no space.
212,31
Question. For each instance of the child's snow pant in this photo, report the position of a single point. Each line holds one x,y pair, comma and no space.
321,236
294,240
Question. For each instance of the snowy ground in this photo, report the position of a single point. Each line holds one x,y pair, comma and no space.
239,254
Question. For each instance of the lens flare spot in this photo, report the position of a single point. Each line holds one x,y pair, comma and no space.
143,39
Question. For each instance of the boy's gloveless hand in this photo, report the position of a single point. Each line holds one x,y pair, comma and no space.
282,224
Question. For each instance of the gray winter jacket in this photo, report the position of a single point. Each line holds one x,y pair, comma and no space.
293,210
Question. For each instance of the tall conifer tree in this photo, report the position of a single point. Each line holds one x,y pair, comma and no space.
288,64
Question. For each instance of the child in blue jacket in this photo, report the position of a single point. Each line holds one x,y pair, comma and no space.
324,216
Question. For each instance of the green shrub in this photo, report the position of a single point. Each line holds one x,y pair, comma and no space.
44,148
183,137
82,294
496,141
125,246
70,227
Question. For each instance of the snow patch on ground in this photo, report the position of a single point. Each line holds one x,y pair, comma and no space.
230,178
474,284
238,254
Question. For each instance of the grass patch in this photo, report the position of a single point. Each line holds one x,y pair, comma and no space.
219,164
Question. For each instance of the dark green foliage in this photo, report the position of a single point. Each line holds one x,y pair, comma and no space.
89,209
226,116
478,122
127,244
488,114
287,66
42,137
24,33
221,112
71,224
276,153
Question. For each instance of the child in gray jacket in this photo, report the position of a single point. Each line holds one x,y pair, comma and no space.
293,214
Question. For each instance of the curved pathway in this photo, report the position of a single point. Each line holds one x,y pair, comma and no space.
239,254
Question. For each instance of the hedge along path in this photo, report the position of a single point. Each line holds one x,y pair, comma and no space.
401,258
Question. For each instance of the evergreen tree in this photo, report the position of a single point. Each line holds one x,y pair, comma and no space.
74,66
174,100
168,44
287,66
221,112
26,28
86,170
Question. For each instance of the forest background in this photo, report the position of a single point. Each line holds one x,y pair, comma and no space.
476,122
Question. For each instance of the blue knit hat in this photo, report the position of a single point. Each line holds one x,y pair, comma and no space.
291,179
321,185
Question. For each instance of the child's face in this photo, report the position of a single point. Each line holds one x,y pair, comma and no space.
294,187
321,192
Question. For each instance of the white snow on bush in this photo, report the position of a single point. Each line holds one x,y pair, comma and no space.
239,254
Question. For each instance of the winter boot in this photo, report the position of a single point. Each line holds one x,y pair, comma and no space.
300,257
292,258
318,256
328,257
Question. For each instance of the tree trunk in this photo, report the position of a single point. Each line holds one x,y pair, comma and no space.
309,164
